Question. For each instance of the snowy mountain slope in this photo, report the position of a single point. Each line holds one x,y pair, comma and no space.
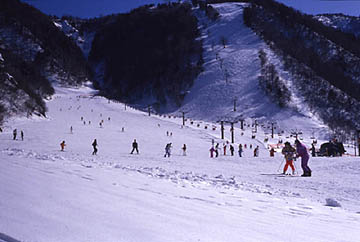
49,195
212,98
348,24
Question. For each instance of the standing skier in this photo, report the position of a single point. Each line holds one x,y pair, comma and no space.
289,152
167,150
302,152
62,145
272,152
232,150
240,150
217,150
94,145
313,150
224,147
22,135
256,151
135,147
184,150
14,134
212,150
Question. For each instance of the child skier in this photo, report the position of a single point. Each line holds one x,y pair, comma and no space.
289,152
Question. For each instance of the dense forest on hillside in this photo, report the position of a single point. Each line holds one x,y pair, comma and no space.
34,52
151,52
320,58
58,52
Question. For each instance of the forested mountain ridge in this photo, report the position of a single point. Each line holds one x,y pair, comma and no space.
35,53
324,62
151,55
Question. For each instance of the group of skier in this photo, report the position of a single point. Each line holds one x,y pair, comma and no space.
15,134
290,153
214,150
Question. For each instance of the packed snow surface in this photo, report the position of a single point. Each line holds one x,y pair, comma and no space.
50,195
71,195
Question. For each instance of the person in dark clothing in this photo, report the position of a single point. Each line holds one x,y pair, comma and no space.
232,150
22,135
217,150
94,145
14,134
134,147
313,150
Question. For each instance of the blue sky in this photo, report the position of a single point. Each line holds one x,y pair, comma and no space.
95,8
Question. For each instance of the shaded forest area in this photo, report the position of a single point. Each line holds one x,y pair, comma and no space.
150,53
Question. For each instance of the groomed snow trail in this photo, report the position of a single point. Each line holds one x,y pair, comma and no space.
49,195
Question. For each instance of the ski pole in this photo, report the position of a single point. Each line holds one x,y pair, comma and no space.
278,170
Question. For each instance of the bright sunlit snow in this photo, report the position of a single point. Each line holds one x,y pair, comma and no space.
71,195
49,195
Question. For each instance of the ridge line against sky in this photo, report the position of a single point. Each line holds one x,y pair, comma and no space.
96,8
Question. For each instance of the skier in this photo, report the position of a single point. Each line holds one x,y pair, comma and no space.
302,152
1,130
289,152
71,129
232,150
256,151
94,144
240,150
135,147
22,135
184,150
62,145
212,150
224,147
167,150
272,152
313,150
14,134
217,150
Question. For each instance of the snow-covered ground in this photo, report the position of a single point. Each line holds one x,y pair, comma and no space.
231,74
49,195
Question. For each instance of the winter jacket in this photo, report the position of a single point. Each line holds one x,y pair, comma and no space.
288,152
302,151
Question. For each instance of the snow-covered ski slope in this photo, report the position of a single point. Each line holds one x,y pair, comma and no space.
49,195
212,97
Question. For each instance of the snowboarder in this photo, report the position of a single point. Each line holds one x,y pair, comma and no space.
302,152
256,151
22,135
272,152
134,147
232,150
212,150
289,152
167,150
14,134
62,145
240,150
94,145
184,150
